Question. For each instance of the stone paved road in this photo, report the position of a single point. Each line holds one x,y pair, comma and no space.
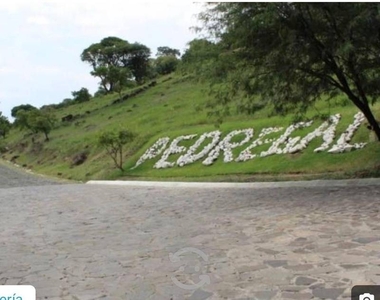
114,242
11,176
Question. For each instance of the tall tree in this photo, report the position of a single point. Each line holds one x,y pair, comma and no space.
113,52
137,60
291,54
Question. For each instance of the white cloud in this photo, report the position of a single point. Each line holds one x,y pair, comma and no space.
38,20
7,70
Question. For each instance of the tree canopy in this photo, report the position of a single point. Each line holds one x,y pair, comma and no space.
166,64
291,54
36,121
167,60
166,51
26,107
112,53
83,95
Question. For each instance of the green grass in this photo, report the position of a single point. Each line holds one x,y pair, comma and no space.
171,108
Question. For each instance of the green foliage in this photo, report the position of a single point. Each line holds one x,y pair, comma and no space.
66,102
290,54
203,58
80,96
113,142
167,51
36,121
5,125
119,77
25,107
166,64
113,53
3,147
100,92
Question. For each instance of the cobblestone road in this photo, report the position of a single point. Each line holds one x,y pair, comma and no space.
11,176
109,242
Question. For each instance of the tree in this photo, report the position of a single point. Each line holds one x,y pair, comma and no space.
202,57
291,54
100,92
120,77
166,64
166,51
5,125
138,61
81,96
113,142
36,121
166,61
21,120
113,52
41,121
25,107
65,103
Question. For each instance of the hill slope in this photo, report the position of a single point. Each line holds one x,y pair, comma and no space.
172,108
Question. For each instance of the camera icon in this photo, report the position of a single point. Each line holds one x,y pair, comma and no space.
366,296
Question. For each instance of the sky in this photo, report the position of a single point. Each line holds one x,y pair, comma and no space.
41,41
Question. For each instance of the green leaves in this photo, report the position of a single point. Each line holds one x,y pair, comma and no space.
167,51
166,64
289,54
113,142
25,107
81,96
114,53
36,121
5,125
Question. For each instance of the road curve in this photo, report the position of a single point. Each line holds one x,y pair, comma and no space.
11,176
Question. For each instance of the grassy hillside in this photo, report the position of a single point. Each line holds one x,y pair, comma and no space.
171,108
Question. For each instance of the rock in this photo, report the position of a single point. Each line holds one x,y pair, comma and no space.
67,118
305,280
79,159
13,159
200,295
276,263
327,293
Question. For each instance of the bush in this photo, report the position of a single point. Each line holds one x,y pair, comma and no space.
166,64
3,147
81,96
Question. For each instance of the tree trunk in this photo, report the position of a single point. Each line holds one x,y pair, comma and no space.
371,120
365,109
46,137
121,159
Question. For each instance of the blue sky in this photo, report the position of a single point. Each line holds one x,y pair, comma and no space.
41,42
